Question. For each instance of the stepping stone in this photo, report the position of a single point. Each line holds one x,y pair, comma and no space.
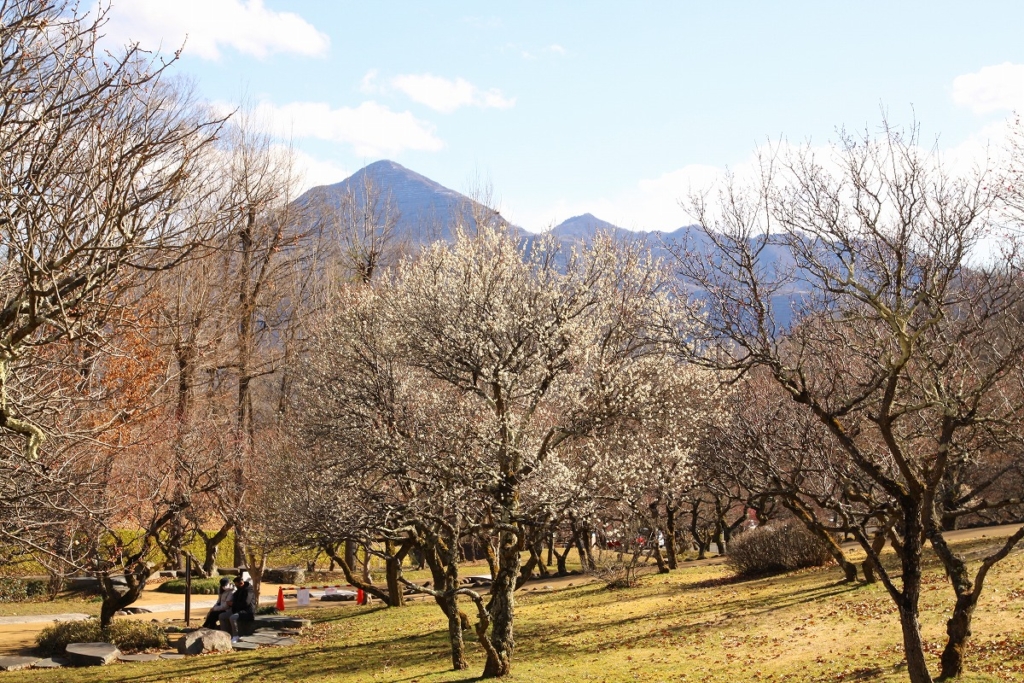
259,640
139,658
284,642
51,663
91,654
242,645
171,655
281,622
17,663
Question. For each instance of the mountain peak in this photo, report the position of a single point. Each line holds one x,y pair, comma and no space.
584,225
427,210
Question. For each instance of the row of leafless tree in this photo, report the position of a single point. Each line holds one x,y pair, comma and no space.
154,274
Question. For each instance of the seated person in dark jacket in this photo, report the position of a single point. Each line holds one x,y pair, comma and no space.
241,607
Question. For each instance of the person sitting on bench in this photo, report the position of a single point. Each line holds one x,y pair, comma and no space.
242,608
223,604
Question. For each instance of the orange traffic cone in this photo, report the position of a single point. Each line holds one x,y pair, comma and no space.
280,599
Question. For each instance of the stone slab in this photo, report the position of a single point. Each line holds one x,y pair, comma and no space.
171,655
274,621
143,657
242,645
91,654
284,642
52,663
17,663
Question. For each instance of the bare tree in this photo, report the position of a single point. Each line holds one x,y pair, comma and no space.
905,349
96,157
269,257
363,226
105,175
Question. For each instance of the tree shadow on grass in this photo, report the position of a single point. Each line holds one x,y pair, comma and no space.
413,653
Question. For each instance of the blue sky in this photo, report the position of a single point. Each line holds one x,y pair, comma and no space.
613,108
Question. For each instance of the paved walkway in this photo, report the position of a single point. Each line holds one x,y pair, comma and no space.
18,634
43,618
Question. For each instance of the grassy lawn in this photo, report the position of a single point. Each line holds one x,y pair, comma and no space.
696,624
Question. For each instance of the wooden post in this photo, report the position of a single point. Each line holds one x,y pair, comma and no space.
188,591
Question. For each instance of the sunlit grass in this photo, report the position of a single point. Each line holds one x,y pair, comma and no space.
696,624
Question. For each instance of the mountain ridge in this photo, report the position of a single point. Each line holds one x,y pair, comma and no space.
428,209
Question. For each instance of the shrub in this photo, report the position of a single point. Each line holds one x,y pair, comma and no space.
20,590
776,548
199,586
266,609
128,636
617,570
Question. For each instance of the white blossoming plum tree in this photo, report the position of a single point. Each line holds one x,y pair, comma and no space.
452,389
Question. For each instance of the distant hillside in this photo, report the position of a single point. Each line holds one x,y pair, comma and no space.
427,210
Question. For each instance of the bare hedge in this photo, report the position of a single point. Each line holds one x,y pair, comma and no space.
776,547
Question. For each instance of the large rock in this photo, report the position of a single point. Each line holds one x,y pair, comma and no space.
91,654
205,640
17,663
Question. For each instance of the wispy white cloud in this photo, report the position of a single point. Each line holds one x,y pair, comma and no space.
992,88
534,53
446,95
314,171
662,202
207,27
369,83
371,129
647,204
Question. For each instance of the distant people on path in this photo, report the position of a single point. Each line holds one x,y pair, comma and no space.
243,606
223,604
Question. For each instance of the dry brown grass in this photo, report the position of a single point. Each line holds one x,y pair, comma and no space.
696,624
